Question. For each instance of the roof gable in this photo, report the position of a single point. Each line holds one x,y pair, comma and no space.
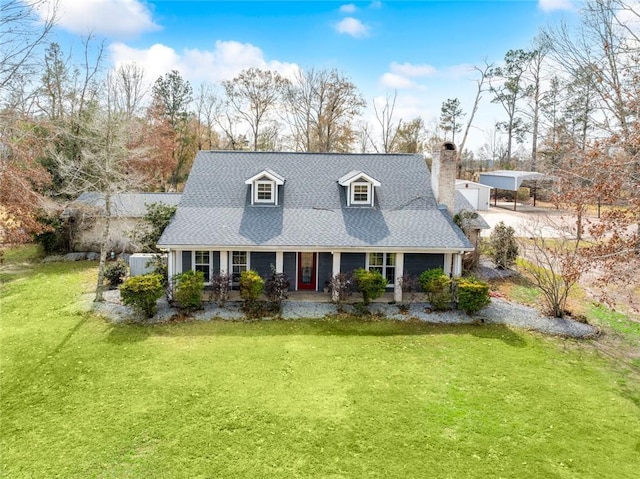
269,174
356,175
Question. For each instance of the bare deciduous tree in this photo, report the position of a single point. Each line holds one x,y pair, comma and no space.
388,128
480,83
102,166
321,106
555,265
129,89
24,25
253,94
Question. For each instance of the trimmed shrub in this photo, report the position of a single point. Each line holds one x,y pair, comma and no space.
504,249
189,287
371,284
142,292
437,287
473,294
115,272
220,284
251,287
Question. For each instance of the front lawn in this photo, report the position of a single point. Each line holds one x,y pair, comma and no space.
337,398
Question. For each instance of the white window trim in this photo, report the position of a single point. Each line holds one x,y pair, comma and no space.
384,264
272,185
193,262
265,177
230,265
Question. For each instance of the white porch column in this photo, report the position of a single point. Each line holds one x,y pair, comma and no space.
335,269
279,261
224,261
397,288
457,264
171,266
447,264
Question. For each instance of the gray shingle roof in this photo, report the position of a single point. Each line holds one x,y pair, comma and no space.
126,204
462,204
216,210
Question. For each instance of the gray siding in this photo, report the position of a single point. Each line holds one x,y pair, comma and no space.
325,268
289,268
261,262
352,261
416,263
186,261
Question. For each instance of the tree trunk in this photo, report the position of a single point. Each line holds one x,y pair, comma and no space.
104,244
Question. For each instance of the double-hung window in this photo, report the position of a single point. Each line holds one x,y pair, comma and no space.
202,263
264,192
385,264
360,193
238,264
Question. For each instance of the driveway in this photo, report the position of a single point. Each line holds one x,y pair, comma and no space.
547,222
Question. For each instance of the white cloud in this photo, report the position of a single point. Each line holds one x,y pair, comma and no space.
375,4
553,5
413,70
114,18
224,62
352,26
348,8
396,82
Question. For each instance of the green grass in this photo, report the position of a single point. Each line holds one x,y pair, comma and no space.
619,322
332,399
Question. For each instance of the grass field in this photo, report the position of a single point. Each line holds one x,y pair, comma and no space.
337,398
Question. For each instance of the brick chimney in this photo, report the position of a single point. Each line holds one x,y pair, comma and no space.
443,176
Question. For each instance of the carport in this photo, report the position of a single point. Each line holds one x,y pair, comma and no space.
511,180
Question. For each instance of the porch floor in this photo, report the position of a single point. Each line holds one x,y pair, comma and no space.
309,297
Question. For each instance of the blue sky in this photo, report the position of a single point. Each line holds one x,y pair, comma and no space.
424,50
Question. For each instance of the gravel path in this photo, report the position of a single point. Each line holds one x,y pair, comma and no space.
499,311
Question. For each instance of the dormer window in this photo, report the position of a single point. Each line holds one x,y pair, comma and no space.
264,187
360,193
264,191
360,188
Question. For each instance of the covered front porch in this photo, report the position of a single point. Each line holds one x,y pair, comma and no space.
316,297
310,272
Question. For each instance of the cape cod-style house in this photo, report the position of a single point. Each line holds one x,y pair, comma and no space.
313,215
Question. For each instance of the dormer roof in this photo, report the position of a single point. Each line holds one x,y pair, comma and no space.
269,174
356,175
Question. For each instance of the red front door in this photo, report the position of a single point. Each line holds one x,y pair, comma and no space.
307,271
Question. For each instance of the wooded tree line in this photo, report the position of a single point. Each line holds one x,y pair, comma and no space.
570,107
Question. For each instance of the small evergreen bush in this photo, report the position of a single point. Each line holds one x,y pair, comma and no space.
142,292
371,284
189,287
437,287
220,284
504,249
473,294
115,273
251,287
